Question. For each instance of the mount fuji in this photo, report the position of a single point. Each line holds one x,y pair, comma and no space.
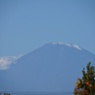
53,67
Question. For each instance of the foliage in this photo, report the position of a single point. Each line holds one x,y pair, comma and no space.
86,85
5,94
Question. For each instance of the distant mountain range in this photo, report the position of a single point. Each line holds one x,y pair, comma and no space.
53,67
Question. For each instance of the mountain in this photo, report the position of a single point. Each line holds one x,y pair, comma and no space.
53,67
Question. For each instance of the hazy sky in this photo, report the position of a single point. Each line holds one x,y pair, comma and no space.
28,24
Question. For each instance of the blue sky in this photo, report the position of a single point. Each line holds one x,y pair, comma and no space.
28,24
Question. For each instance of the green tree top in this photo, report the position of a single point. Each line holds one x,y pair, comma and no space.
86,85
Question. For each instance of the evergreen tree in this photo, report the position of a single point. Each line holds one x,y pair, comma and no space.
86,85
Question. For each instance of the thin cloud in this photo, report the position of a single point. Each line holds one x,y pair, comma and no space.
6,61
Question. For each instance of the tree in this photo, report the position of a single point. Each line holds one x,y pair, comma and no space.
86,85
7,94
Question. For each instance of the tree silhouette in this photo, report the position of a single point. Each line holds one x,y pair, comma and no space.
86,85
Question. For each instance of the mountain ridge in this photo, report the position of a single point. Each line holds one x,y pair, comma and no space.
52,67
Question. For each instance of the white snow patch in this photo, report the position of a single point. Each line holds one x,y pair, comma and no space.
67,44
60,43
76,46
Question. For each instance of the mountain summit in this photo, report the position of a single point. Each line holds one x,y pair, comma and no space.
53,67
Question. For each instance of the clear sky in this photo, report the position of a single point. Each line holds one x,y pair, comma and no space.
28,24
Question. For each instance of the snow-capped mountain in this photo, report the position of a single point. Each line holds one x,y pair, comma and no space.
53,67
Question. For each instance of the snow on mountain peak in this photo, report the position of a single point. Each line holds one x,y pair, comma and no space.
67,44
76,46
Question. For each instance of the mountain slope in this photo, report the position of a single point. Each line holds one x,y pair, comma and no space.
53,67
